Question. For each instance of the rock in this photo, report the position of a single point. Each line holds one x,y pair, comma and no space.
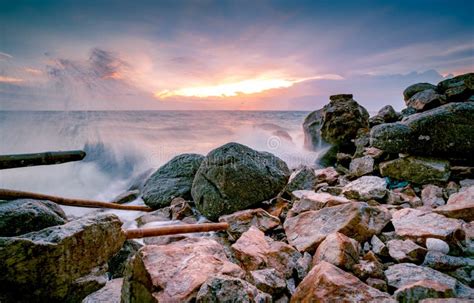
378,247
341,119
268,280
425,100
223,288
466,183
414,223
443,262
406,251
339,250
416,169
175,272
159,215
240,222
371,268
423,289
126,197
445,132
433,244
234,177
327,175
459,206
118,262
450,189
110,293
309,200
172,180
432,196
366,188
327,283
303,179
59,263
256,251
303,265
403,274
459,88
19,217
388,114
379,284
311,129
361,166
400,196
452,300
357,220
416,88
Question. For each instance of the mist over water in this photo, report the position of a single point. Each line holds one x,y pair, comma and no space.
122,145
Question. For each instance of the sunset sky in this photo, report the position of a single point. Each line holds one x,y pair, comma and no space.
249,55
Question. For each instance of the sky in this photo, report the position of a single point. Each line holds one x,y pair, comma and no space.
226,55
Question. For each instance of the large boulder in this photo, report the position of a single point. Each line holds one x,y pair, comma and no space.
445,131
459,88
356,220
59,263
404,274
175,272
23,216
418,170
416,88
425,100
234,177
328,283
174,179
342,118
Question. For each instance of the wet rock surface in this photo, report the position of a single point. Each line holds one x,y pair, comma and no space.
234,177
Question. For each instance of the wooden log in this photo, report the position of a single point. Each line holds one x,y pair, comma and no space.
7,194
173,230
47,158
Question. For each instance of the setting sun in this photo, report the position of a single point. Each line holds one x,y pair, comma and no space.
250,86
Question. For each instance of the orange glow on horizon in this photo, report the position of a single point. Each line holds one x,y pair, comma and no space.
250,86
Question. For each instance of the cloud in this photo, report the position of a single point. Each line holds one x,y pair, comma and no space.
33,71
6,79
5,56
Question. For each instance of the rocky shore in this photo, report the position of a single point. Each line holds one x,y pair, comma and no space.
385,216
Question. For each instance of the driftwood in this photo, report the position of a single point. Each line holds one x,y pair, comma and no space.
7,194
173,230
47,158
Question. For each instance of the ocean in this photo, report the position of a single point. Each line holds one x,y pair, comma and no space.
122,145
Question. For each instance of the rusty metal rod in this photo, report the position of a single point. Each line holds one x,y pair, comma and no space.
7,194
46,158
173,230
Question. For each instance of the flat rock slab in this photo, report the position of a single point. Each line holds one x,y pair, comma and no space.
356,219
175,272
48,265
328,283
403,274
459,206
414,224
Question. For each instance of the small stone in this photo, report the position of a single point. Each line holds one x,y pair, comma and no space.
432,196
303,265
433,244
223,288
309,200
423,289
303,179
379,284
378,247
268,280
256,251
328,283
369,267
366,188
327,175
110,293
426,100
414,223
416,88
406,251
361,166
338,250
459,206
240,222
443,262
126,197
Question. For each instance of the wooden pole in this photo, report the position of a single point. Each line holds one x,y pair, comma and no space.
173,230
47,158
7,194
